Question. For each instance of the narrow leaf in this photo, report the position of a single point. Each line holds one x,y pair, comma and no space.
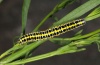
25,9
79,11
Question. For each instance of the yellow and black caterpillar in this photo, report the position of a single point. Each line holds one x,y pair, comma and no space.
49,33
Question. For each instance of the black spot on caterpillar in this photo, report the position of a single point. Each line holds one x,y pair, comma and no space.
49,33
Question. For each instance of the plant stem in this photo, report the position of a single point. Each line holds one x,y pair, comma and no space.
76,38
56,9
70,48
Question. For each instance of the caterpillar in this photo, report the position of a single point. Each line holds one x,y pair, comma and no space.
49,33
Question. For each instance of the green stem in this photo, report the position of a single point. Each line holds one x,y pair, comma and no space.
24,18
38,26
22,52
70,17
14,48
35,58
25,9
70,48
76,38
56,9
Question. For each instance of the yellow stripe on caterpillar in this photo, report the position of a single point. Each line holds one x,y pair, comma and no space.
49,33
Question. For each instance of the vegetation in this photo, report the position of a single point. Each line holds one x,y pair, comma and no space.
9,57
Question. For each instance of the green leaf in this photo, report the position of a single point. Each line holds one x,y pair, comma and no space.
21,52
98,44
68,49
79,33
25,9
94,14
60,41
24,19
81,10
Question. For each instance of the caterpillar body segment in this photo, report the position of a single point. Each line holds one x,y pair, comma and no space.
49,33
